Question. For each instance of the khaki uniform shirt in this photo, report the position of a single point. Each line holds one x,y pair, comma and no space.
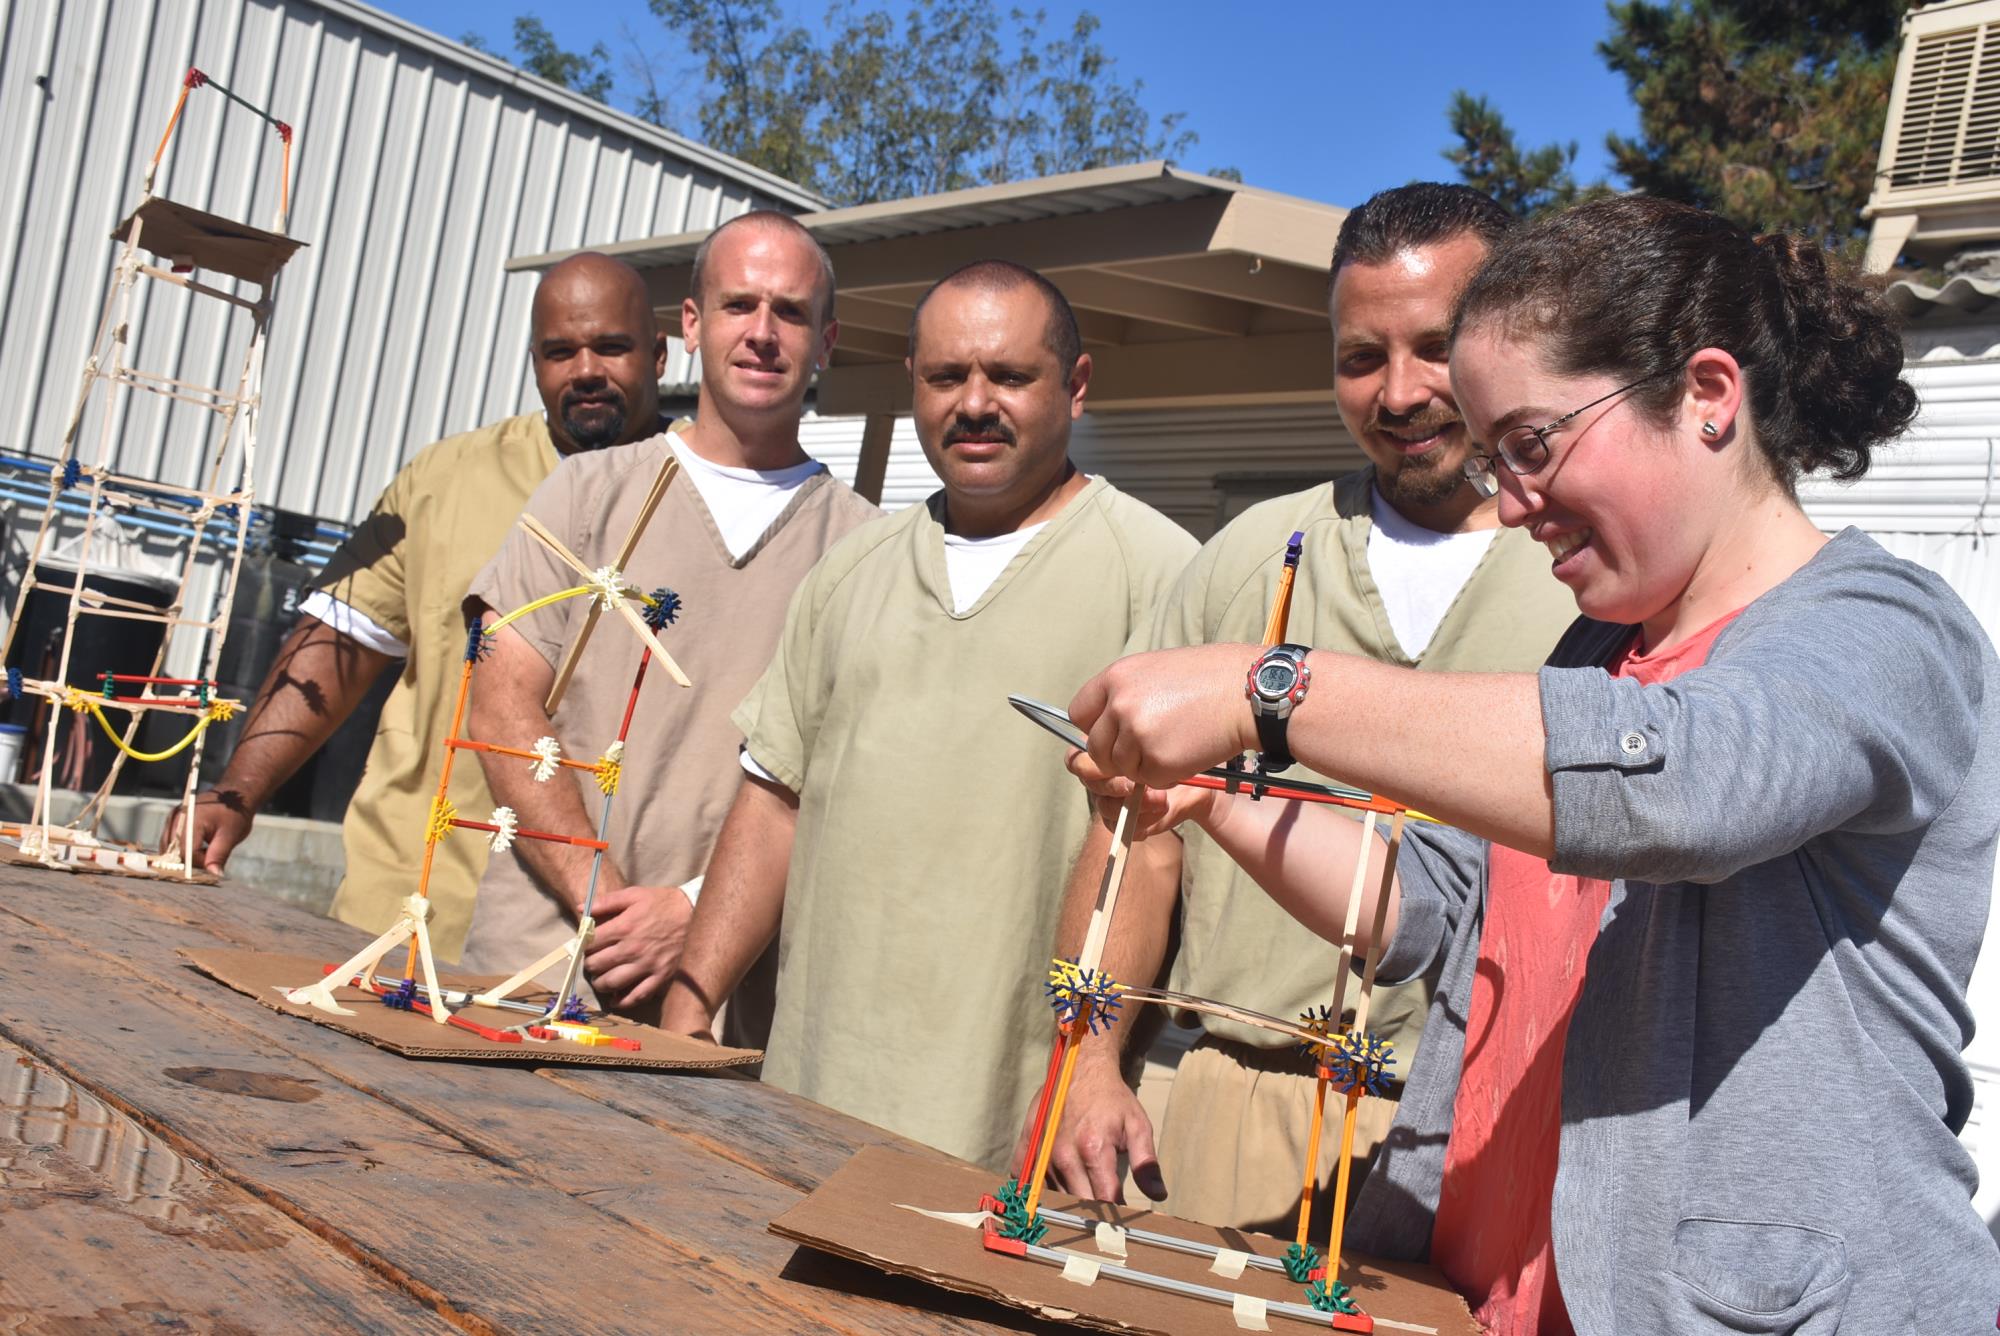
406,569
1237,945
680,769
935,825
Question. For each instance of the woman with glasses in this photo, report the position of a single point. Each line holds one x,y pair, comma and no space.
1714,880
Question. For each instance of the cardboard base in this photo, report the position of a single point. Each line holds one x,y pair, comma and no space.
858,1214
261,974
108,858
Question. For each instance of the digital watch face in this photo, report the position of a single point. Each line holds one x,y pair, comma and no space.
1275,679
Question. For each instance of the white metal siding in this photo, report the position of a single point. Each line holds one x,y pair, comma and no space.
1929,498
419,168
1170,460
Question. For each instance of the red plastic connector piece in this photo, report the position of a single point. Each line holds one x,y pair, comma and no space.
284,131
1011,1247
628,1045
195,78
1360,1322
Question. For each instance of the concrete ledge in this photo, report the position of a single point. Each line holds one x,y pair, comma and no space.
294,859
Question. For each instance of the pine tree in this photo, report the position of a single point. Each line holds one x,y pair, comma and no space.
1770,114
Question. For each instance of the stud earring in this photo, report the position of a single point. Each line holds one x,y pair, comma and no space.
1710,430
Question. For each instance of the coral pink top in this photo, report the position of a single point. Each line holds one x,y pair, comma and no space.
1491,1236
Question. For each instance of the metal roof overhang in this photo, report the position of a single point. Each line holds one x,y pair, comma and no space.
1189,291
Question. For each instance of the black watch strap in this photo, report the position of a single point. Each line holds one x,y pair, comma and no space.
1272,753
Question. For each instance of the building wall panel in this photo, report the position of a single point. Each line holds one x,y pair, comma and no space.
419,168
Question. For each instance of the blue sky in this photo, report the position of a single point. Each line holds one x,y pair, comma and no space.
1329,99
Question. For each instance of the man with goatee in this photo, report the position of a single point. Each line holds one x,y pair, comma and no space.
1402,562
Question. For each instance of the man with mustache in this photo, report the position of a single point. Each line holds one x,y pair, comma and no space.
739,528
1402,562
913,831
391,593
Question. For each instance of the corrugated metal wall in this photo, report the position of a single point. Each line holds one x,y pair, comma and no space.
420,168
1930,498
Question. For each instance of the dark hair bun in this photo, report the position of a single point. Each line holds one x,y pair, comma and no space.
1844,383
1632,286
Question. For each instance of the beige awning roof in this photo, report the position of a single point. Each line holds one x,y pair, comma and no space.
1190,290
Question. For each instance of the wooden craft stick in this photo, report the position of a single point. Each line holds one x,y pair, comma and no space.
1088,960
1107,889
571,657
1381,920
668,469
1360,1028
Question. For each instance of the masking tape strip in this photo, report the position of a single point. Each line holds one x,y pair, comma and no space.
1110,1239
1228,1263
1079,1269
1249,1311
969,1219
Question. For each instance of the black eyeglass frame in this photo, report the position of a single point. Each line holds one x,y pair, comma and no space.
1478,466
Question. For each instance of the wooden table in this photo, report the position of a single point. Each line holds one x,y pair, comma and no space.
176,1157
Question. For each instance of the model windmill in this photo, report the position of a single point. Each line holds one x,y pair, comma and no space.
564,1016
1351,1061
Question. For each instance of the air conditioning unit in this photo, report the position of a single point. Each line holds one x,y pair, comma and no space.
1937,181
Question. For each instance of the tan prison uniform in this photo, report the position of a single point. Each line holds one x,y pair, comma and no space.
406,569
1232,1143
680,769
935,824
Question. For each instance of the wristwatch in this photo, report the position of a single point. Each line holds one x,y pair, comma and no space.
1277,683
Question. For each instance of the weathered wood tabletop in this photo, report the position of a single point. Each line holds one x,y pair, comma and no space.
174,1156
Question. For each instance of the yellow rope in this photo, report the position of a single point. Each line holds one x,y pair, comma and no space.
539,604
442,815
82,702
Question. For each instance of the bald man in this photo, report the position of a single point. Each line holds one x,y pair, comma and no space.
392,593
748,516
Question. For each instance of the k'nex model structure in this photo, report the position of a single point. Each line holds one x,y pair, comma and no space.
175,244
564,1017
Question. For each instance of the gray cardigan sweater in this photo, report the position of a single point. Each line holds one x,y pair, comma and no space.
1762,1083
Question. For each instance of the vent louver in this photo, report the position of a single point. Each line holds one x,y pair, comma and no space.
1949,132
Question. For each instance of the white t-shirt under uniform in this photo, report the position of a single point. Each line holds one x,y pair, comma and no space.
1419,572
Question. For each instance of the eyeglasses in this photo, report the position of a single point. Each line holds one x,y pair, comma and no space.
1525,449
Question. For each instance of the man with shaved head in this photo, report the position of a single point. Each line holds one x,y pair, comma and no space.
392,593
911,829
744,521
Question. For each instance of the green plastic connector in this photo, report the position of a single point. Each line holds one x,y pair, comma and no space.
1015,1222
1301,1262
1331,1296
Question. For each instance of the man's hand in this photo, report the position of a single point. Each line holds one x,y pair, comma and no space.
221,821
1102,1119
636,945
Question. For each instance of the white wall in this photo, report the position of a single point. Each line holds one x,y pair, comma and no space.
1931,498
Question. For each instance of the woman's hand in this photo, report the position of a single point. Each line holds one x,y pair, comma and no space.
1161,809
1160,717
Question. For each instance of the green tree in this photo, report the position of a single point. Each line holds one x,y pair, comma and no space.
1488,157
1770,114
538,52
868,106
